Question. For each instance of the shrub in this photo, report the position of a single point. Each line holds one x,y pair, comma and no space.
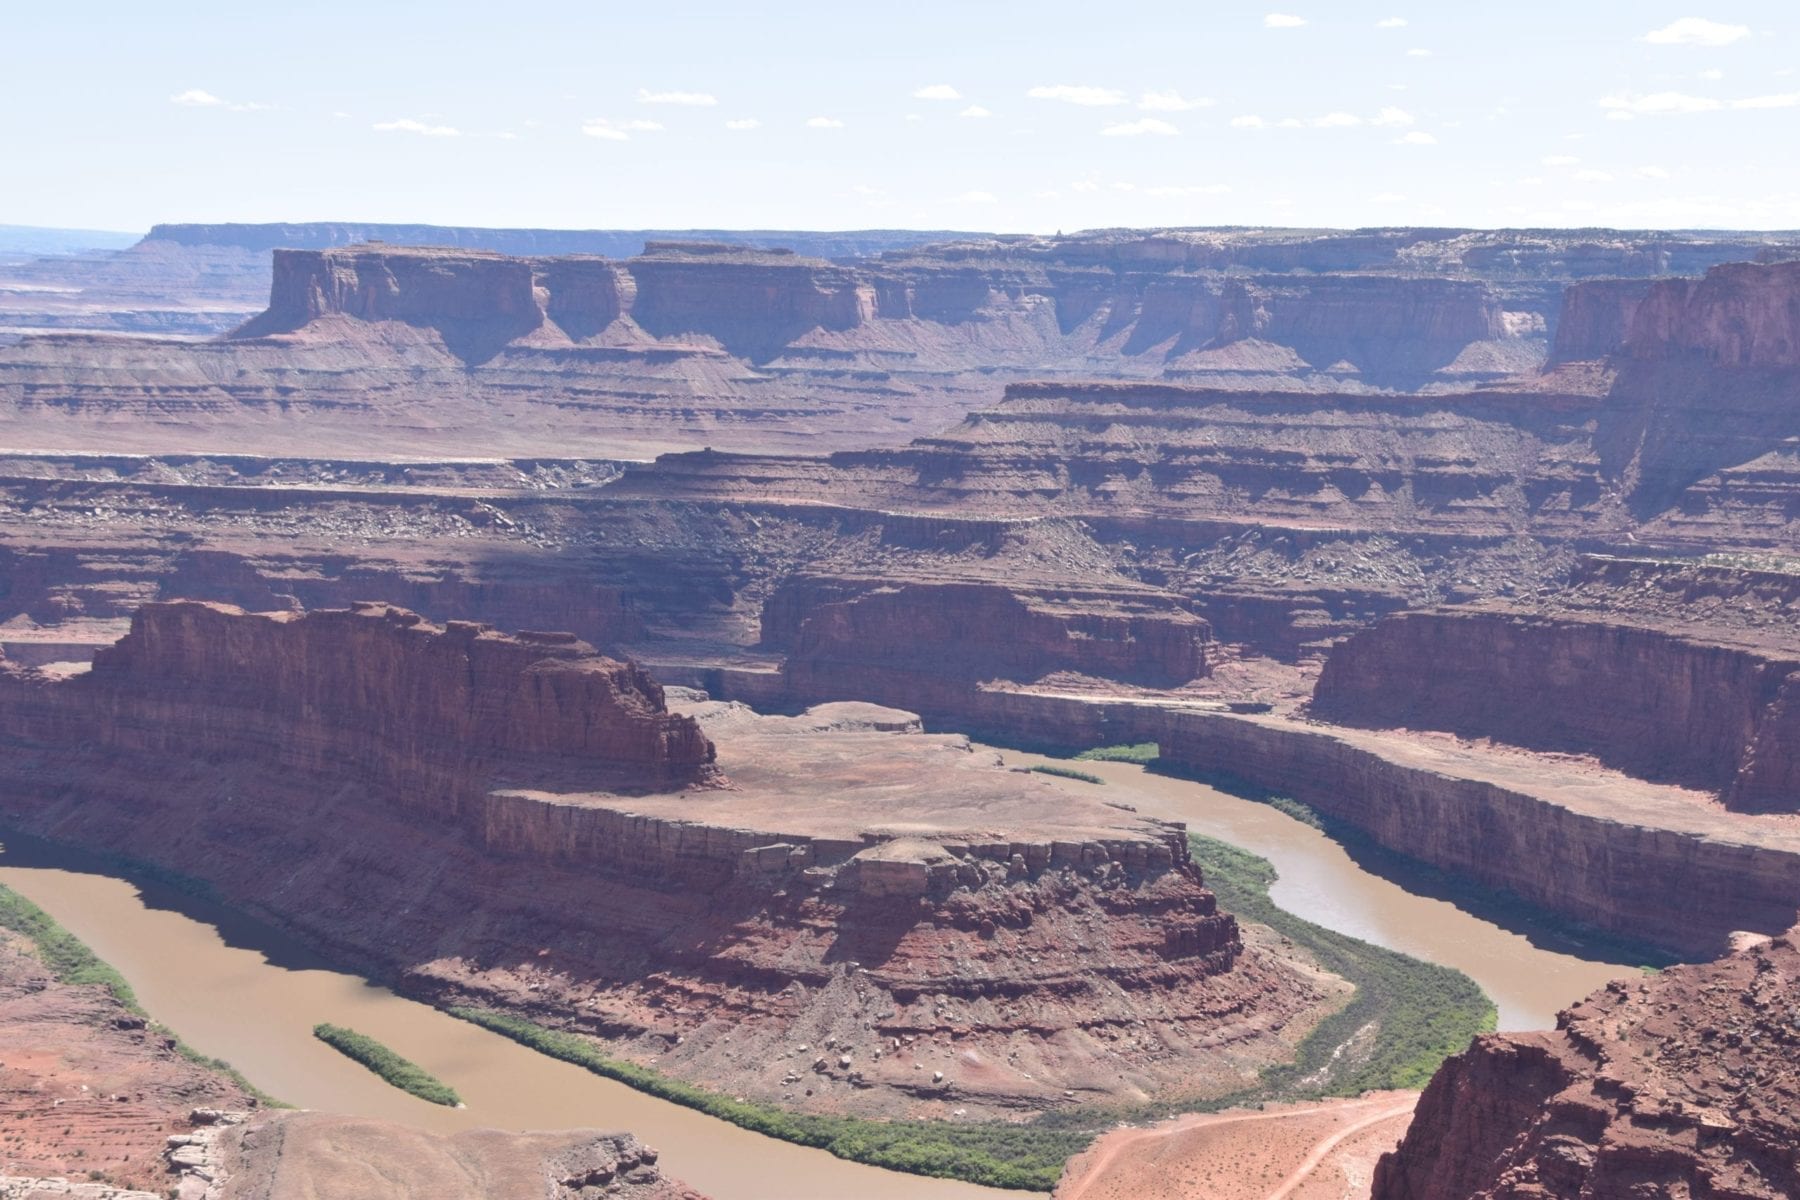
404,1074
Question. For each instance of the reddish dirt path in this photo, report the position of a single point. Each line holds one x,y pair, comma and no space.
1322,1149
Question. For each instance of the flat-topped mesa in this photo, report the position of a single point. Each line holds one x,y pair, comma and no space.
477,301
1684,1084
753,302
1737,315
379,687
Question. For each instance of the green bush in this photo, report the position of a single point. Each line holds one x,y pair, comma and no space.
1142,752
1067,773
1029,1157
403,1073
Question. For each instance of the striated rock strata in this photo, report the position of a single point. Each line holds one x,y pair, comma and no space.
1684,1084
516,822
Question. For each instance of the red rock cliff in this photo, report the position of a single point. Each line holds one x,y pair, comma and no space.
476,300
1596,314
1660,705
381,686
1737,315
1687,1084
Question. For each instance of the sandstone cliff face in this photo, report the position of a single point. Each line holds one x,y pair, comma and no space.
847,635
1658,705
753,304
492,820
1596,316
1685,1084
1738,315
1646,864
382,688
478,302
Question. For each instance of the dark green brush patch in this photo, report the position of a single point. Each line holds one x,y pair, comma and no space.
1142,753
403,1073
1027,1156
1067,773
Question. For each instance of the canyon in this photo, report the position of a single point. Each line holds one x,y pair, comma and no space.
1481,546
836,879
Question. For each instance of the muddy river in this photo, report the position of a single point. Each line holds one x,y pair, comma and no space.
238,990
1530,972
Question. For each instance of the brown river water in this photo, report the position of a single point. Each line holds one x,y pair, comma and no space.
1529,974
240,991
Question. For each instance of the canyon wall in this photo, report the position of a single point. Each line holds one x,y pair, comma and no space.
409,703
1619,855
1659,705
515,822
1681,1084
841,634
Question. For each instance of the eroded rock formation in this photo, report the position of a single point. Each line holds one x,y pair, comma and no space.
513,821
1681,1084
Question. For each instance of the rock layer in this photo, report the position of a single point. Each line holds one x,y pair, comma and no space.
1682,1084
442,799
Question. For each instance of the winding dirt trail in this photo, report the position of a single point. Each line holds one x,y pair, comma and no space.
1236,1152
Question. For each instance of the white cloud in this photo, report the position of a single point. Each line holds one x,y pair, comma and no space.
975,197
1391,23
914,118
1283,21
1784,100
1658,104
408,125
1589,175
1171,101
1290,123
1560,160
937,91
1393,116
1139,128
1415,138
1696,31
824,123
1713,74
692,99
1191,189
1090,184
617,131
1248,121
1387,198
743,123
198,98
340,114
976,111
1336,120
1418,52
1122,186
1093,97
1651,173
1531,181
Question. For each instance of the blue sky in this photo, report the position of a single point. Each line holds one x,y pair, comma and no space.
1008,116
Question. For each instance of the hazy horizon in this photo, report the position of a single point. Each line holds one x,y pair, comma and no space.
1006,117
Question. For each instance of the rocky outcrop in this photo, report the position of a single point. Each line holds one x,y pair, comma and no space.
407,702
1658,705
88,1089
1737,315
1681,1084
1596,316
439,799
287,1156
1648,864
751,303
908,643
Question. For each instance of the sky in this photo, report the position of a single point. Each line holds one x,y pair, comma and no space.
980,114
